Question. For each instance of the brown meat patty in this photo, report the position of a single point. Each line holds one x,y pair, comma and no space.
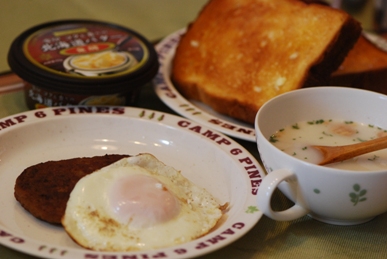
44,189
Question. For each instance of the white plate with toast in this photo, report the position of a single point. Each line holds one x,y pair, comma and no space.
207,158
191,109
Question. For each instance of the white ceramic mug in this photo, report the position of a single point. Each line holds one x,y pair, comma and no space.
330,195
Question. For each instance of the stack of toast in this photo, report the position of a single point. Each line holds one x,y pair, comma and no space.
238,54
364,67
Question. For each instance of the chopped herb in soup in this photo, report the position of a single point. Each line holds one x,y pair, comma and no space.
296,139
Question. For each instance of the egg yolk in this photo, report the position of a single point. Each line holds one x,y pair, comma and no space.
142,201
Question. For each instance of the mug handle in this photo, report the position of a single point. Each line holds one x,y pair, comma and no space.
268,185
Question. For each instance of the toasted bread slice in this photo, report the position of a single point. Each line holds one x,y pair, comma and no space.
44,189
365,67
238,54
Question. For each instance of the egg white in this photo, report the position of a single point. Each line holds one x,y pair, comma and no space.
91,222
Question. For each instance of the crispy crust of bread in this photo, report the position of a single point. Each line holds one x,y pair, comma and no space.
364,67
238,54
44,189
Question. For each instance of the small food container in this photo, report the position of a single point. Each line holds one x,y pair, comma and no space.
82,62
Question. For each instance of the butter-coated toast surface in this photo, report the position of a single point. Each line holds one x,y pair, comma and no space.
238,54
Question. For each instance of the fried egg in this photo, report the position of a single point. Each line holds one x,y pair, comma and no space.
138,203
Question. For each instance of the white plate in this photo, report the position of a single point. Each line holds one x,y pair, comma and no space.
191,109
206,157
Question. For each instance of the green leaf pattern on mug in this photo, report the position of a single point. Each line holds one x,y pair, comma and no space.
358,194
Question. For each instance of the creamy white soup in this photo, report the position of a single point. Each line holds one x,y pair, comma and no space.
297,139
